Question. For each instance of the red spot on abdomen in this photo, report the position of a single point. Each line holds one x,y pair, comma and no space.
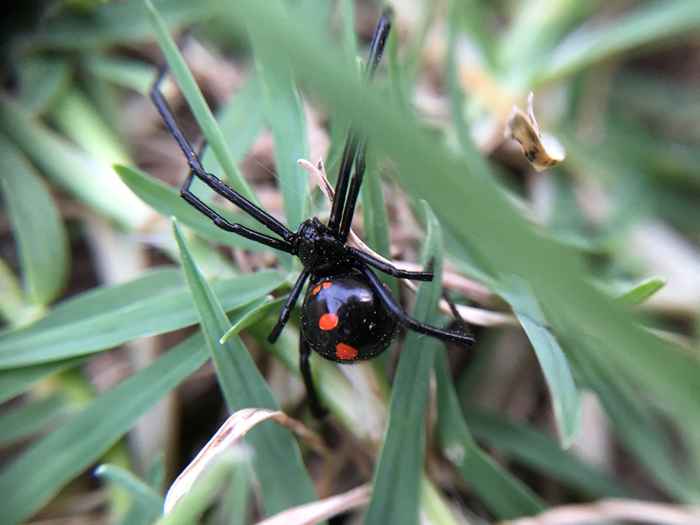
345,352
328,322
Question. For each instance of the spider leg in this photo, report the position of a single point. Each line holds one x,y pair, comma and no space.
198,170
406,320
317,409
353,193
288,306
376,49
224,224
390,269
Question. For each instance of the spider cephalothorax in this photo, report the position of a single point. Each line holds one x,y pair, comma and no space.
348,314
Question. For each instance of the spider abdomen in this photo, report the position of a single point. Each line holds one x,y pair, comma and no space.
343,320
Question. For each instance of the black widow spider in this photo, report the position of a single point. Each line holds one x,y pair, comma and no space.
348,314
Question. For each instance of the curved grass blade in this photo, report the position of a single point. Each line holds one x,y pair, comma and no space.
565,396
196,501
277,460
156,303
504,495
70,449
539,452
146,504
167,201
37,226
395,496
197,104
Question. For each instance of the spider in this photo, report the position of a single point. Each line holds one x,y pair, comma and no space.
348,315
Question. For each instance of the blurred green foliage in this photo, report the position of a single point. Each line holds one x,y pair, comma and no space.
572,253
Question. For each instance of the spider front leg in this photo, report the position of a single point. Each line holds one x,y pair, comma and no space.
404,319
390,269
317,409
197,170
286,310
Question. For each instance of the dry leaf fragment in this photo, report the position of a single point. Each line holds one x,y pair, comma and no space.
321,510
228,435
542,150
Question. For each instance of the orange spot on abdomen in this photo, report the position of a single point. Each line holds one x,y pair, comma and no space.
317,288
345,352
328,321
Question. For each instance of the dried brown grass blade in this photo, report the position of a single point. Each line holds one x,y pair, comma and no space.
321,510
230,434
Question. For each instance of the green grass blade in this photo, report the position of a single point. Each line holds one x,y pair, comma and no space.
195,99
168,202
284,114
37,226
277,460
146,506
637,425
156,303
115,23
642,291
564,394
90,181
17,380
649,23
538,451
240,120
28,419
468,201
504,495
395,496
193,504
13,305
70,449
126,73
42,80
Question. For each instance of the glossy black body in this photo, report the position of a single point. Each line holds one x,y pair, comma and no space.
348,314
360,328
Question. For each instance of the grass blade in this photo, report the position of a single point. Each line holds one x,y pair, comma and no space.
37,225
277,461
115,23
565,396
539,452
156,303
395,496
146,505
28,419
167,201
504,495
240,120
195,100
17,380
90,181
70,449
284,114
650,23
642,291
